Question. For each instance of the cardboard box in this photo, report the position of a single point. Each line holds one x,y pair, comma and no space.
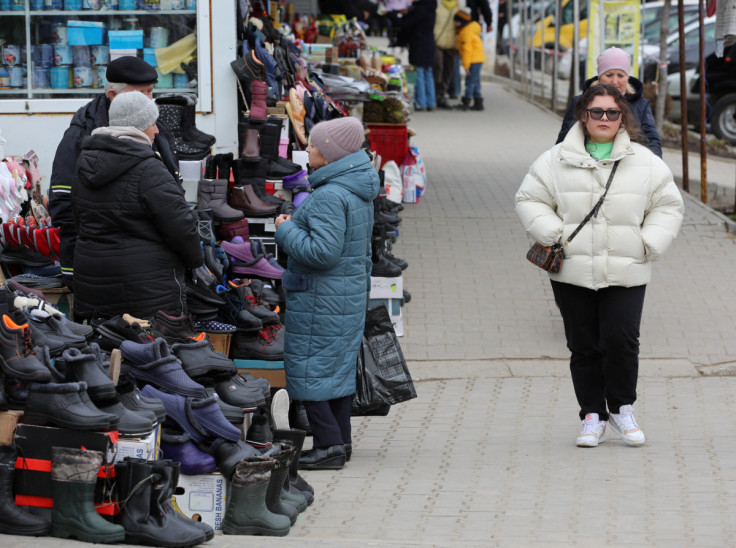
202,498
86,33
191,170
32,479
139,448
221,342
387,288
8,423
394,311
150,57
272,371
191,190
117,53
125,39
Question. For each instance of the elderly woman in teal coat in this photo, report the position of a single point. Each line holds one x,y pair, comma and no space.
327,283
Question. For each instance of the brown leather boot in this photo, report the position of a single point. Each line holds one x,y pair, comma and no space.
244,198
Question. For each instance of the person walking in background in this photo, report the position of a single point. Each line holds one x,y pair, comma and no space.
328,245
124,74
614,67
419,22
472,57
499,27
445,50
600,287
135,233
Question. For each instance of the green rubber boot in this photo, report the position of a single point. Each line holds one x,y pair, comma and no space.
246,512
74,474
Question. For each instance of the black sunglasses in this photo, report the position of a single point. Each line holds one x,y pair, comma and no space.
597,113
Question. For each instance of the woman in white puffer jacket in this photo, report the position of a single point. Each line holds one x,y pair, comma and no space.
600,288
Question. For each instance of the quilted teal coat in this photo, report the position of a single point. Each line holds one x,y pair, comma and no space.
328,243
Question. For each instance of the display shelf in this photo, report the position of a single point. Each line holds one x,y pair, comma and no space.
40,31
104,12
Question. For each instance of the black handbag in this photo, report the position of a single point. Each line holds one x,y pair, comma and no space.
549,258
382,376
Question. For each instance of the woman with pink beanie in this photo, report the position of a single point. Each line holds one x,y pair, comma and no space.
328,244
614,67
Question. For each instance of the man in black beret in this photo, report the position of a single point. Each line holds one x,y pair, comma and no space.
124,74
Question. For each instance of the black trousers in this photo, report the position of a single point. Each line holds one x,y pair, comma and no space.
602,330
330,421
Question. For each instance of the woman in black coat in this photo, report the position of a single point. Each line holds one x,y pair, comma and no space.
136,234
614,67
418,22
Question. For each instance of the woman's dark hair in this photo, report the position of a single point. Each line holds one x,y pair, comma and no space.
628,120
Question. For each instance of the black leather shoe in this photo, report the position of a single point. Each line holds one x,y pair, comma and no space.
329,458
348,451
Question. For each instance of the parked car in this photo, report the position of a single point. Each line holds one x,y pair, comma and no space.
650,52
720,95
651,17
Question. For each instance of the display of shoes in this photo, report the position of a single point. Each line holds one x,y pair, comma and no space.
267,344
154,364
198,358
175,329
178,446
236,391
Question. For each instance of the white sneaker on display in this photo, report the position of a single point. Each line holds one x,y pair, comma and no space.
593,431
624,424
280,410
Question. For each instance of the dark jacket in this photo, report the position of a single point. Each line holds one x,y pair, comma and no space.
639,107
419,23
478,8
329,247
135,232
63,174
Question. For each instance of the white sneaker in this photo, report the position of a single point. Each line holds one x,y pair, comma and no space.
624,424
593,431
280,410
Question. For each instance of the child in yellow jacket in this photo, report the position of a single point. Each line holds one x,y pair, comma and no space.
472,57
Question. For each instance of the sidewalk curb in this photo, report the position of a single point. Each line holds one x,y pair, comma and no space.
728,224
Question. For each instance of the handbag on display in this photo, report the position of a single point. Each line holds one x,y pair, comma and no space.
549,258
382,375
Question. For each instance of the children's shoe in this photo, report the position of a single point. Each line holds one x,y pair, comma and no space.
624,424
593,431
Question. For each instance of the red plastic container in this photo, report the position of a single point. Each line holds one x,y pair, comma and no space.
390,141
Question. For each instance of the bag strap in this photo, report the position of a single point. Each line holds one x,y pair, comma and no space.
596,207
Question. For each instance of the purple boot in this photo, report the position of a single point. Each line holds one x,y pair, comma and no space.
290,182
179,411
245,263
209,415
178,447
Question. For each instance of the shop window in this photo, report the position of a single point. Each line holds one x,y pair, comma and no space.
59,49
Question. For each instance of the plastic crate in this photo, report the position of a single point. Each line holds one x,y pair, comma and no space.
390,141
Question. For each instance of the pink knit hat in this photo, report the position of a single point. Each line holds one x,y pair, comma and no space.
614,58
336,139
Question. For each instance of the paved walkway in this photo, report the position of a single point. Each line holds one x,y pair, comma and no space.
485,456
